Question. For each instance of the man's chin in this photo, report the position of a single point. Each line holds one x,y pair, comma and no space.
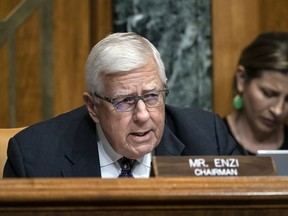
140,151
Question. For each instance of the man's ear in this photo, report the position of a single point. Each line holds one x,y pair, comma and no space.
240,78
92,110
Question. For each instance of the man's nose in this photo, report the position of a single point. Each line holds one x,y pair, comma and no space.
141,111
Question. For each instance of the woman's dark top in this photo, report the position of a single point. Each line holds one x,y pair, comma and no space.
246,152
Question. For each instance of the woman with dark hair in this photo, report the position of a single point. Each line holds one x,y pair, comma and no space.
261,95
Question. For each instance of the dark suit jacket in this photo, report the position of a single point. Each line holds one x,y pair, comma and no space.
66,146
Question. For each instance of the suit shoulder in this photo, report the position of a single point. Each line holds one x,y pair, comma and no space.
188,113
57,125
191,119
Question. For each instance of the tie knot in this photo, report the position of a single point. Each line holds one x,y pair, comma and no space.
126,166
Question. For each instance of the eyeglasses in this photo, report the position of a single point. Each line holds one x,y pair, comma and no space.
128,103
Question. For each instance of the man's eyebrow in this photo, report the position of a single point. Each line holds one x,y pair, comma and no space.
151,88
121,94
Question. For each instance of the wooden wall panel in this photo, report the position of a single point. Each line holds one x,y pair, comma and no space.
71,47
274,15
27,77
101,20
5,7
235,23
13,109
78,26
4,118
48,52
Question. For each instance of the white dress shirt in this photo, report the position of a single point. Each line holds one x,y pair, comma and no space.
110,168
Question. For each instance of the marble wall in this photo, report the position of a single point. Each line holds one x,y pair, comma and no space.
181,31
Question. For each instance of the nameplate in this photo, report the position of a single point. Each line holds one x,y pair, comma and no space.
201,166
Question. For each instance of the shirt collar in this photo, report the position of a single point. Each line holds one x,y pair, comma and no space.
106,153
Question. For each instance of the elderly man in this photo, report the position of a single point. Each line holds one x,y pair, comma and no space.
125,121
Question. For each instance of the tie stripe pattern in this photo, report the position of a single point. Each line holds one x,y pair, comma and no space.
126,166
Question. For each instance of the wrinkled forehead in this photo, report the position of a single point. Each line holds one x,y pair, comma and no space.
137,80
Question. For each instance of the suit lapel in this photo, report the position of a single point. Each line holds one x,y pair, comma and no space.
82,156
169,144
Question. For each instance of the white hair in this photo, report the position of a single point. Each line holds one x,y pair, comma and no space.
119,52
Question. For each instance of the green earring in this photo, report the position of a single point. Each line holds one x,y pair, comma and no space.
238,102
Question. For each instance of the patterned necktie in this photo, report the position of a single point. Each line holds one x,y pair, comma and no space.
126,166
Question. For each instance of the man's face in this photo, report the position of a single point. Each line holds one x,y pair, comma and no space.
137,132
